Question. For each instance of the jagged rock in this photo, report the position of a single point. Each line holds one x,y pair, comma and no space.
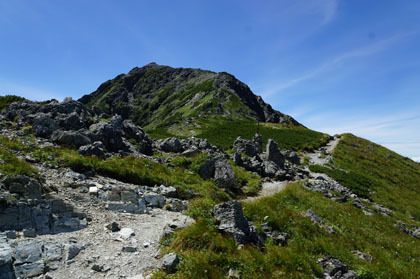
72,121
71,251
96,149
154,200
169,262
291,156
74,139
207,169
109,133
131,131
231,220
43,125
258,142
411,230
245,146
171,145
335,269
273,153
26,187
169,192
223,174
53,251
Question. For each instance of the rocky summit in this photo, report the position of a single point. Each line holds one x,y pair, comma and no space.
184,173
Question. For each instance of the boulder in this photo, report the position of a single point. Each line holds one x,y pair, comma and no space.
96,149
43,125
223,174
28,253
26,187
334,268
207,169
231,220
171,145
258,143
70,138
245,146
30,269
291,156
109,133
273,153
6,253
169,262
154,200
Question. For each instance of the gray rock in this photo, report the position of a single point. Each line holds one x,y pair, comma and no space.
169,262
74,139
291,156
53,251
129,249
169,192
334,268
258,143
245,146
71,251
154,200
26,187
273,153
96,149
43,125
382,209
128,196
207,169
28,253
29,270
223,174
29,232
171,145
231,220
134,208
109,133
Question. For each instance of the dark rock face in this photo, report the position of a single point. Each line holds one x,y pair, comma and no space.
44,216
291,156
109,133
246,146
24,186
273,153
231,220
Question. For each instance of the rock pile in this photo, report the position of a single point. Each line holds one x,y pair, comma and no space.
335,269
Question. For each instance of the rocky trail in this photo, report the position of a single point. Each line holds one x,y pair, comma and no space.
323,155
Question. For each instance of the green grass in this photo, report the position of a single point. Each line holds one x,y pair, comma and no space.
223,132
12,164
356,182
395,179
205,253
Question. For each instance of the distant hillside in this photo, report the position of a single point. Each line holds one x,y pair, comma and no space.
181,100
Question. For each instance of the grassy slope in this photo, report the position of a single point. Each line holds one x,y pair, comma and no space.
207,254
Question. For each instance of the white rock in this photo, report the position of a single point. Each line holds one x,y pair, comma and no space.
126,233
93,190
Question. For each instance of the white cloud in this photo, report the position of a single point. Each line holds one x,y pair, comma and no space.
417,159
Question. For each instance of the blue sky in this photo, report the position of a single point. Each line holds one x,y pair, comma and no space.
335,65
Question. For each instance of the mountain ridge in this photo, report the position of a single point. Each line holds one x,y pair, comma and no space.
185,93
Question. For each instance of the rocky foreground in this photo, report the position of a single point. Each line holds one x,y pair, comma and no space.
67,224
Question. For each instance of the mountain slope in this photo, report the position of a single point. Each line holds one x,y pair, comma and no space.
175,99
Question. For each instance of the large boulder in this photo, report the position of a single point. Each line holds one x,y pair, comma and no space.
273,153
109,133
43,125
171,145
71,138
224,175
231,220
96,149
291,156
245,146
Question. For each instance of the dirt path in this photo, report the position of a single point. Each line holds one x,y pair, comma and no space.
323,155
320,157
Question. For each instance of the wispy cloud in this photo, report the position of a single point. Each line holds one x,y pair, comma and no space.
331,63
329,10
417,159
